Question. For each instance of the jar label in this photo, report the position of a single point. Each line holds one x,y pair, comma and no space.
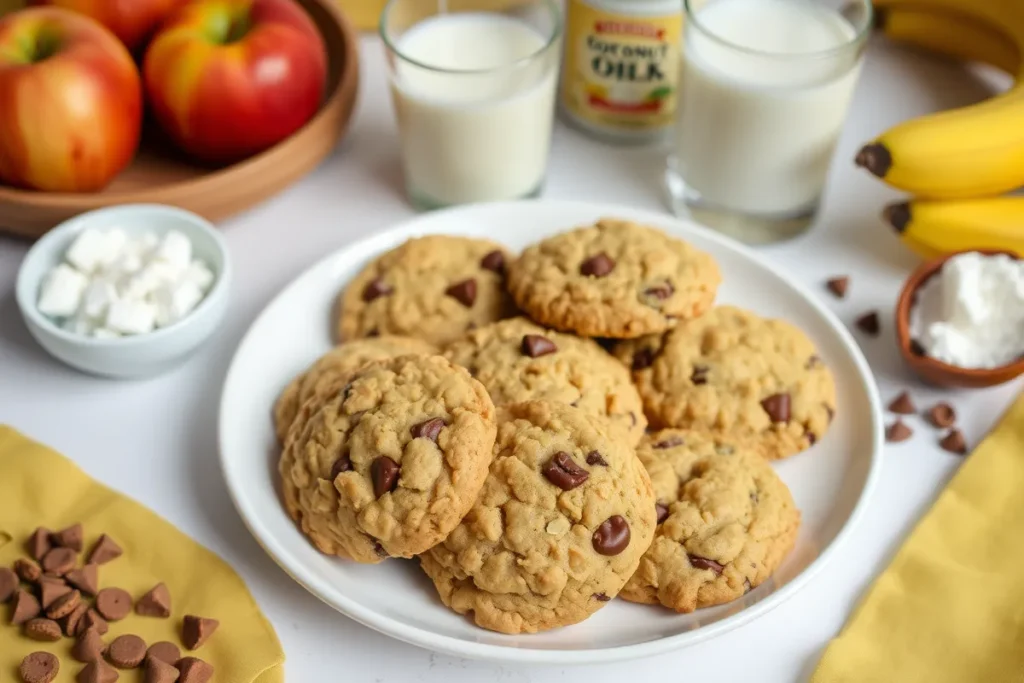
621,71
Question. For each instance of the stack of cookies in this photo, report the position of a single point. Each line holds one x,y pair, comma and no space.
549,431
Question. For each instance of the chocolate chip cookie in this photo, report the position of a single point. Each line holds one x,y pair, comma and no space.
517,361
392,462
323,376
614,279
563,519
731,372
725,521
433,288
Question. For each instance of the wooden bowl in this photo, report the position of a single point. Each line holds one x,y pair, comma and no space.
161,175
935,371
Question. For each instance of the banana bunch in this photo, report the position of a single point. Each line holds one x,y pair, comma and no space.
957,162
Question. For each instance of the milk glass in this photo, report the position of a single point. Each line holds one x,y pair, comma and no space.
765,89
473,84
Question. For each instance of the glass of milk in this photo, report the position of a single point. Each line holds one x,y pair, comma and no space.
764,91
473,84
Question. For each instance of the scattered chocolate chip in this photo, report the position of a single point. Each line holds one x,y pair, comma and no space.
643,359
64,605
429,429
113,604
954,442
777,407
838,286
164,651
74,623
754,497
59,561
464,292
384,472
127,651
196,630
155,603
942,415
662,511
8,583
612,537
898,431
68,538
46,630
594,458
105,550
699,375
89,647
92,619
342,464
812,438
704,563
85,579
24,607
97,672
373,333
902,405
28,570
916,348
379,550
831,412
562,471
534,346
51,589
39,667
869,324
660,292
598,265
746,586
375,289
670,442
495,261
194,670
159,671
39,543
812,362
602,597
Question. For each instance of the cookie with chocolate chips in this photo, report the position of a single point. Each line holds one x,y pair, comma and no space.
433,288
390,464
563,519
726,521
517,361
733,373
613,279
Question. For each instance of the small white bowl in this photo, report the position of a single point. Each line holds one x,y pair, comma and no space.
137,356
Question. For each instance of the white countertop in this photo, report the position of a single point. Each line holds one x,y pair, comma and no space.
156,440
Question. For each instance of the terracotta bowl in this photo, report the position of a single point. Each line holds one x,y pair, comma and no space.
935,371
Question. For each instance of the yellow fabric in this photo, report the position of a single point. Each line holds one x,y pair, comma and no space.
950,607
38,487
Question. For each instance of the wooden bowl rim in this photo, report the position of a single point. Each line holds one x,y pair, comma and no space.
933,366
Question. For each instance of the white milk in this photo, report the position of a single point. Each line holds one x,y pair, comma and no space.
467,136
756,131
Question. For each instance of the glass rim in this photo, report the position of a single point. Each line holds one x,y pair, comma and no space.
552,41
858,39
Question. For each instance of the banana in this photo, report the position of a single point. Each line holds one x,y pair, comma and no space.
935,228
975,151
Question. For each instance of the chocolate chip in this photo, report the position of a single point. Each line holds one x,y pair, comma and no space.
197,630
24,607
704,563
838,286
50,589
46,630
159,671
59,561
869,324
746,586
902,405
113,604
28,570
105,550
535,345
74,623
812,438
374,332
898,431
89,647
376,288
39,667
64,605
155,603
954,442
670,442
812,362
662,511
562,471
831,412
39,543
643,359
342,464
69,538
777,407
97,672
464,292
660,292
194,670
916,348
85,579
699,375
8,583
379,550
384,472
942,415
598,265
594,458
428,429
127,651
612,537
92,619
164,651
602,597
495,261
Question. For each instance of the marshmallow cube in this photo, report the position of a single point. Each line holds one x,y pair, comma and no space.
200,275
127,316
174,303
175,249
88,250
62,292
99,295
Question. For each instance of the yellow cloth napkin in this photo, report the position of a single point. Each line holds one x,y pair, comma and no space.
38,487
950,607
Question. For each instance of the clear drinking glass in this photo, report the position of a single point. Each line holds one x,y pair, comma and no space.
473,84
765,88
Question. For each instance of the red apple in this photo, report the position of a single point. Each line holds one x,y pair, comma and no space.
70,102
133,21
228,80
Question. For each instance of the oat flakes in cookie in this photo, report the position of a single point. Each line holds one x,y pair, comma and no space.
563,519
326,375
726,521
432,288
391,463
734,373
613,279
517,361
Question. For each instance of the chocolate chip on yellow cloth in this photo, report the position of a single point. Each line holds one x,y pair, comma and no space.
38,543
194,670
39,667
127,651
113,604
104,551
155,603
8,583
85,579
195,631
165,651
28,570
159,671
46,630
97,672
23,607
89,647
68,538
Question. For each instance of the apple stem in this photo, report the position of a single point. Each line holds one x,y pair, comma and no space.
238,28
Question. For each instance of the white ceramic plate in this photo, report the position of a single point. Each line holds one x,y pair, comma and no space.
831,482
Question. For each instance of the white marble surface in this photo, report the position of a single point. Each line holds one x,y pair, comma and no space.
156,439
